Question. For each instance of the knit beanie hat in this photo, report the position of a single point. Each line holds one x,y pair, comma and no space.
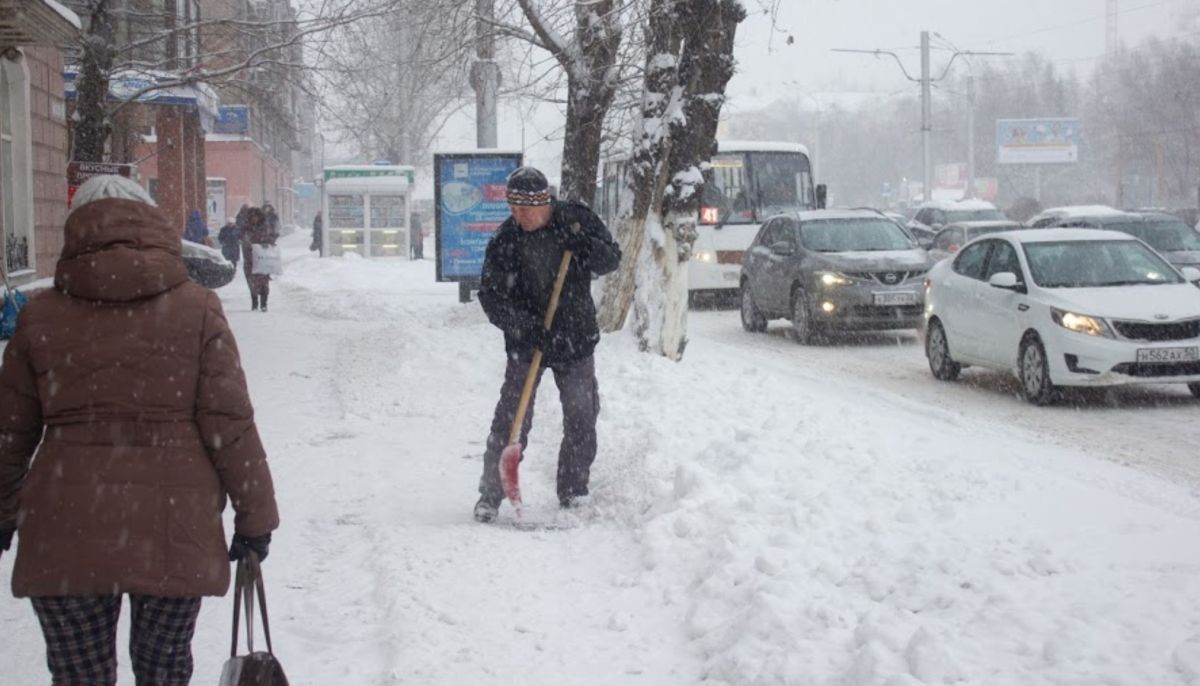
110,186
528,186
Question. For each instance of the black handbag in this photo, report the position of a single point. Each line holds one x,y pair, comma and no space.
255,668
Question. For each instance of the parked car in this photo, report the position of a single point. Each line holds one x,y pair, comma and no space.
1060,216
1064,307
206,266
1166,233
954,236
833,269
933,215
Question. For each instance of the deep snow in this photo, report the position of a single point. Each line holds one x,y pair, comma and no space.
755,519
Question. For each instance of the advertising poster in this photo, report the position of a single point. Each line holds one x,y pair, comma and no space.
1037,141
470,205
79,172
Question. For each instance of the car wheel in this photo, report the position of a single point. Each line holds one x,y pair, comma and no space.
752,320
802,323
937,350
1195,389
1035,372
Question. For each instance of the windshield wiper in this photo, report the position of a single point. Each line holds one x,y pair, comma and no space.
1130,282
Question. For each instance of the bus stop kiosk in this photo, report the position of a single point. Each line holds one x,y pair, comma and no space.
469,205
367,210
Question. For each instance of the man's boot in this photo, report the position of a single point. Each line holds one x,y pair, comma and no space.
486,509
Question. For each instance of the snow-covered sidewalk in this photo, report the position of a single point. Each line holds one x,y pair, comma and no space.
754,521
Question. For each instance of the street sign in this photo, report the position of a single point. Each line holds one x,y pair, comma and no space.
470,204
1037,141
79,172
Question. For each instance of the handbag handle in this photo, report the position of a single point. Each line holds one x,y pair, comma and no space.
249,578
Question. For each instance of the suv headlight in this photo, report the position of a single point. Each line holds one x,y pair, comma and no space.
1081,323
832,278
704,256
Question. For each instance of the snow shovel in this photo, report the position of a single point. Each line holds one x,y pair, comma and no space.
510,459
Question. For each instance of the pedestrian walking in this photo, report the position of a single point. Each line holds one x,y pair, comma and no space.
126,423
417,240
195,231
230,238
318,238
272,221
257,232
519,270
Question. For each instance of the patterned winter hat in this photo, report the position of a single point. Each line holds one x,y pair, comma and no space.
528,186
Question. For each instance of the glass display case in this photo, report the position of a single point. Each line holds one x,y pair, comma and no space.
389,230
347,224
367,209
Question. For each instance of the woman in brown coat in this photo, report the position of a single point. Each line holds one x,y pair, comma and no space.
258,232
125,426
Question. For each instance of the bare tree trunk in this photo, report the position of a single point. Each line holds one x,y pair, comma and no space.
92,126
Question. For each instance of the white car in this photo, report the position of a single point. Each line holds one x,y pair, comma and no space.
1064,307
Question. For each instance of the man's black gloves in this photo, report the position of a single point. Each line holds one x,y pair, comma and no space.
244,544
6,536
573,238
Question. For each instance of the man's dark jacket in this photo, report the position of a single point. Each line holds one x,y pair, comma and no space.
518,278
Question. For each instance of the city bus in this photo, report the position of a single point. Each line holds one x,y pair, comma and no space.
747,183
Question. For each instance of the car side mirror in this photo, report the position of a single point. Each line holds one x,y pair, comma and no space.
1006,280
783,248
1191,274
822,195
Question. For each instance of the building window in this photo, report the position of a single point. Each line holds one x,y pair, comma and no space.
16,167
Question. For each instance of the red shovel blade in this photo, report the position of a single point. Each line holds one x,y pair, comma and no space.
510,462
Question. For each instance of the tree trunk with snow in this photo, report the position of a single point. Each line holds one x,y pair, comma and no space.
686,101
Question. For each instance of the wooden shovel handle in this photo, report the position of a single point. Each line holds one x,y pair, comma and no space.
514,434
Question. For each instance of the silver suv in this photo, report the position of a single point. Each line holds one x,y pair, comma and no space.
833,269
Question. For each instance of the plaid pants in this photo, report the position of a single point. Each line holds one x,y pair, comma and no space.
81,638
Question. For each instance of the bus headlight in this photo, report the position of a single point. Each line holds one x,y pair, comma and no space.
832,279
704,256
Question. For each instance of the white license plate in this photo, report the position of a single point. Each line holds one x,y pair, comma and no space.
1151,355
896,298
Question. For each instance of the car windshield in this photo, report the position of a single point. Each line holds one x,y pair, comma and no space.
853,235
974,215
1164,235
1096,264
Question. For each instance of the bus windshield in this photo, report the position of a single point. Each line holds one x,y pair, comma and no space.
747,187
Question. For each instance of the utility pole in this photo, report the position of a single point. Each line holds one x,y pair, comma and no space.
926,122
926,80
1112,38
485,75
970,136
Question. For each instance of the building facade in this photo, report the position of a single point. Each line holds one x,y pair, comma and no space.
33,135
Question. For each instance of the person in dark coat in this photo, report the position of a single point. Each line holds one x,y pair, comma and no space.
518,277
230,238
196,231
318,237
272,219
257,232
126,428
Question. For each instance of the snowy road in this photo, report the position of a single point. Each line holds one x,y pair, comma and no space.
1153,428
764,513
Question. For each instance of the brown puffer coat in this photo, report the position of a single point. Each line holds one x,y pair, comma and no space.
133,372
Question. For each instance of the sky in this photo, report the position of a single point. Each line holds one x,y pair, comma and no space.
1070,32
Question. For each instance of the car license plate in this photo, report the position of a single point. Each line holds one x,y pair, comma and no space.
731,276
896,298
1152,355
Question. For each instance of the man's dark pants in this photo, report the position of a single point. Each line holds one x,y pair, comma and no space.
580,396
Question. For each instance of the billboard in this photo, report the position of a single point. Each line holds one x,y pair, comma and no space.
234,119
1037,141
79,172
470,204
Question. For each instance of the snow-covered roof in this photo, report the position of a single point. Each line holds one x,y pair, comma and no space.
64,12
35,22
1070,234
1070,211
850,213
760,146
